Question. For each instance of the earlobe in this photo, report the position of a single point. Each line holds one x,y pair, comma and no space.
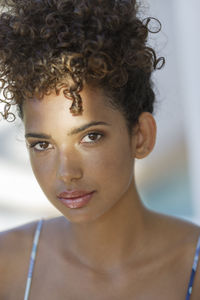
145,135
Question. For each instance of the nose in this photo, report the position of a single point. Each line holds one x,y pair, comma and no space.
69,168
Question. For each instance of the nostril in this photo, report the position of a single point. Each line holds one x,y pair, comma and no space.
70,174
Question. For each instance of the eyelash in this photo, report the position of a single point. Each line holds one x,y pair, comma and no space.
88,134
93,133
38,143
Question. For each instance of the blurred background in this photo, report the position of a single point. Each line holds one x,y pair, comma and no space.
168,179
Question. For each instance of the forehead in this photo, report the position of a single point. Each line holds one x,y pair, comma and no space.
53,110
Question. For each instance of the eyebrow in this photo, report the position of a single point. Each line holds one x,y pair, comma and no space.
72,132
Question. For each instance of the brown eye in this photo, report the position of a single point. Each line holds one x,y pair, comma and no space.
92,137
43,145
40,146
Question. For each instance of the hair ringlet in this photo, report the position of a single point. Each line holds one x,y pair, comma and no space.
49,45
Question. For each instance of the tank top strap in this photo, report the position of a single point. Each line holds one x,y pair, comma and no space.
194,268
32,258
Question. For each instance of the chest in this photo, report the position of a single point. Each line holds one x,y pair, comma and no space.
55,279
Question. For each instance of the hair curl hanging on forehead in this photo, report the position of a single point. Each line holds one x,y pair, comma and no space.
48,45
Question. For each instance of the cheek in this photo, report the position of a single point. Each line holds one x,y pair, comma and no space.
44,170
111,166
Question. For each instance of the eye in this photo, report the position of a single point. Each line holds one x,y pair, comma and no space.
40,146
92,137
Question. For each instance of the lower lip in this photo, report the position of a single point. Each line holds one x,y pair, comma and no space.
77,202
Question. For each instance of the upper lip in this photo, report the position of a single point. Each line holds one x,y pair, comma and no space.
73,194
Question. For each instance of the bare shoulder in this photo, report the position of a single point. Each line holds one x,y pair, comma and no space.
190,245
181,239
190,252
19,230
179,233
15,239
15,248
176,228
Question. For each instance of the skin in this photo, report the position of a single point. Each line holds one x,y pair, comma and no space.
113,248
105,166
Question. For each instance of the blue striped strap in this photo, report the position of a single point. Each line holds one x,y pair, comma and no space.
32,258
194,268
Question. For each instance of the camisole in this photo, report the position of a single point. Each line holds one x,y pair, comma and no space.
34,251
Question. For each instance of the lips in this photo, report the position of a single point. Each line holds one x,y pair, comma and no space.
73,194
75,199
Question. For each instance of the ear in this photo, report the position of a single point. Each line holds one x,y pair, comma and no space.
144,135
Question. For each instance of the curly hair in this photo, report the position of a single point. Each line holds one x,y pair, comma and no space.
48,45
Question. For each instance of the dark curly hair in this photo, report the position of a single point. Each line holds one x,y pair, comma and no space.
48,45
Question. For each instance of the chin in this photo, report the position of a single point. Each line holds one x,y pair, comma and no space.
81,217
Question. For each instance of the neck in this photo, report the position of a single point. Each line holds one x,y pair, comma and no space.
114,239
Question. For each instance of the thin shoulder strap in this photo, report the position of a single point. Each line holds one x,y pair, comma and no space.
32,258
194,268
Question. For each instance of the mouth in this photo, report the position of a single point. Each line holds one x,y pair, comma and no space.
75,199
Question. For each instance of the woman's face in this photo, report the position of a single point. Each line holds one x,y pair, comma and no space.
90,156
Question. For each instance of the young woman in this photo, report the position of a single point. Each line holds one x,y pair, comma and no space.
79,73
